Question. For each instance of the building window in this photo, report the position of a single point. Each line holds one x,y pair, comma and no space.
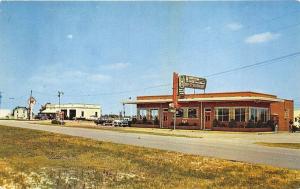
253,114
192,113
143,113
179,113
82,113
259,114
240,114
263,115
222,114
154,114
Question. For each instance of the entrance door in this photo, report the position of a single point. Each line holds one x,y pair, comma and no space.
65,114
165,119
207,118
72,114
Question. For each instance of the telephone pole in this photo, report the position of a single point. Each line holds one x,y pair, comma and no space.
60,93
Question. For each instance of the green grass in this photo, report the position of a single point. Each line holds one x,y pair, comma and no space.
30,158
282,145
121,129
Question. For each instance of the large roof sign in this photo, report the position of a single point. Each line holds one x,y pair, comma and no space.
186,81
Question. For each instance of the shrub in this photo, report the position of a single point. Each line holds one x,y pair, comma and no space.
144,119
215,123
134,120
232,123
250,124
259,124
156,121
184,124
57,122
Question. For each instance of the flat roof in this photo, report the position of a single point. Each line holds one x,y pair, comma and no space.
207,97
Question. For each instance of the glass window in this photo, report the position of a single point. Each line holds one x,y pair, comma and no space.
82,113
253,114
192,113
259,114
154,114
222,114
143,113
240,114
179,113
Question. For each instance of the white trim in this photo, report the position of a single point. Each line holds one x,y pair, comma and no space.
210,99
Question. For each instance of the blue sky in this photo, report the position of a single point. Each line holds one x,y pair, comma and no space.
103,52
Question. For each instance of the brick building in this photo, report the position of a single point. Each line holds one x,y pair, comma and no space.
230,111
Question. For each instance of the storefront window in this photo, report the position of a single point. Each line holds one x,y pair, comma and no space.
222,114
143,113
253,114
263,115
179,113
192,113
153,114
240,114
259,114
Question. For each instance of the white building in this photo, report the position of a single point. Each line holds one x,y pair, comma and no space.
20,113
72,111
5,113
297,113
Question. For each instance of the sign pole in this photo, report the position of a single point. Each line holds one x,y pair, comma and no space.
175,96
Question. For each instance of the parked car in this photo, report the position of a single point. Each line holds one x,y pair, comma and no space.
120,123
92,118
108,122
100,121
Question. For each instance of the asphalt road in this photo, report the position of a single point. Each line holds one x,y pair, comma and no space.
231,147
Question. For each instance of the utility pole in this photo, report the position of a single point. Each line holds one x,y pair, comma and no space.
29,106
60,93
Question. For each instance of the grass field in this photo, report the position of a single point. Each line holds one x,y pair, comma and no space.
282,145
30,159
92,125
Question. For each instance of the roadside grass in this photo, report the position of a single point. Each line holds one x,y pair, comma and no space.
282,145
38,159
159,132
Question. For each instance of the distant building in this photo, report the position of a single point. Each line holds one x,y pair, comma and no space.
72,111
5,113
297,113
20,113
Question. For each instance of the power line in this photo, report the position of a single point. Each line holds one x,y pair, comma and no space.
270,61
121,92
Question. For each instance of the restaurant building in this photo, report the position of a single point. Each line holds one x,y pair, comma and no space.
228,111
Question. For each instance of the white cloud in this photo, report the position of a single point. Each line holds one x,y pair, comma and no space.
234,26
117,66
262,37
54,75
70,36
